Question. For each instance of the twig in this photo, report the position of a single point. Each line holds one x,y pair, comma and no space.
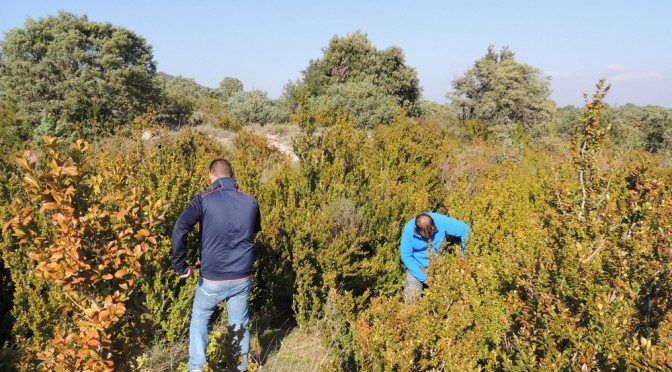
611,176
77,304
93,301
583,184
599,246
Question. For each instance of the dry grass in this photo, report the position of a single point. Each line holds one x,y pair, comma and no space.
164,358
283,349
277,130
223,136
279,136
292,349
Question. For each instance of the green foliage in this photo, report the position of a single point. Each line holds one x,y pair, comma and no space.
353,69
255,108
500,91
229,86
353,59
8,357
10,131
29,292
559,273
643,127
223,352
182,97
62,70
587,145
365,101
631,127
331,226
13,138
440,113
455,325
463,318
340,313
9,187
591,302
215,111
568,121
289,99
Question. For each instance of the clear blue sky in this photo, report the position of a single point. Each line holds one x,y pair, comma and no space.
267,43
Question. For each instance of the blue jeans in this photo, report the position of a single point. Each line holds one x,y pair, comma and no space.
209,294
413,288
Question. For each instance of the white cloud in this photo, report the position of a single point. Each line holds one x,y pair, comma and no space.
639,76
620,73
616,68
614,73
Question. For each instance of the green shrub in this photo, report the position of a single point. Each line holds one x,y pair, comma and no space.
367,103
255,108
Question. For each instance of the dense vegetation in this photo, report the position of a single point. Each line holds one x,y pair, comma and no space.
568,266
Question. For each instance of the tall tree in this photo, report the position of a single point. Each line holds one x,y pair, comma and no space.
500,90
352,60
65,69
183,97
229,86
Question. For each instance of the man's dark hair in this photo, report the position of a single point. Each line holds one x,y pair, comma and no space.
221,168
424,225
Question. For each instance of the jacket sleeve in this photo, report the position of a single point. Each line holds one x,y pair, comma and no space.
458,229
189,217
407,254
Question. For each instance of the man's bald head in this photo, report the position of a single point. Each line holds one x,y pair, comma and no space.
424,225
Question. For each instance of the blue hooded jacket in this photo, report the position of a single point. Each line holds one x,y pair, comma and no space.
414,247
228,219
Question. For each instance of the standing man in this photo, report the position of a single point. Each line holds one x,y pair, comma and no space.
422,237
229,220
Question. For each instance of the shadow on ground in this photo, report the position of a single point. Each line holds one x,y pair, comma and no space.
270,340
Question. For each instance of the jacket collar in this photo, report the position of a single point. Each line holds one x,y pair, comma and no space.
226,183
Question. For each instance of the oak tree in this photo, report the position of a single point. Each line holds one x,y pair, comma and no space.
65,69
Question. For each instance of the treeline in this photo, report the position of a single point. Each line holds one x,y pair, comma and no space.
68,77
568,266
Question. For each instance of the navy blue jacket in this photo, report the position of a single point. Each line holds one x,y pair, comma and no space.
229,220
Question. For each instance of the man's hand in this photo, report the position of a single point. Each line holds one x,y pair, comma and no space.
187,274
426,282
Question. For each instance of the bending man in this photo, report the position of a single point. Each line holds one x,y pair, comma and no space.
422,237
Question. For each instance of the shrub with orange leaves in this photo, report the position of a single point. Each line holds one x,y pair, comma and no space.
92,250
